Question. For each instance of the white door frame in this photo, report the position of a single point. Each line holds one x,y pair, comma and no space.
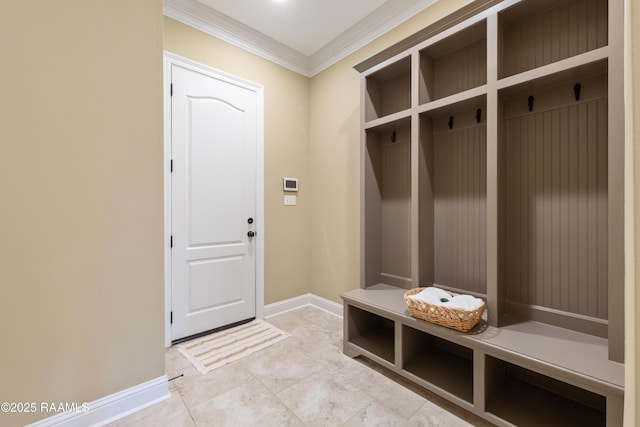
169,60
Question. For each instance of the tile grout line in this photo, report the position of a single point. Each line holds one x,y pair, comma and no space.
186,407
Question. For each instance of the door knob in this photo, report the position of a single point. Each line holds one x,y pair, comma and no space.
251,233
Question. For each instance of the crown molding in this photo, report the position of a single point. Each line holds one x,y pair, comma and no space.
207,20
383,19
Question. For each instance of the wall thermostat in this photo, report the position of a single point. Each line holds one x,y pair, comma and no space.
290,184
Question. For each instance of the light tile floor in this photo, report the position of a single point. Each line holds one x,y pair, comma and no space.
304,380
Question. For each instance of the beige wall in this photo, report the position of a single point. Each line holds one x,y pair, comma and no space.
81,223
286,105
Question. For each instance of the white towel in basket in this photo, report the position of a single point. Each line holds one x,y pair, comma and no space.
437,296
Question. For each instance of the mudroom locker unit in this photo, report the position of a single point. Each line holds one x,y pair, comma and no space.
492,164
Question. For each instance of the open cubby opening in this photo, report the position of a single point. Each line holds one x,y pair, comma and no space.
453,197
387,213
442,363
536,33
527,398
553,201
388,90
372,333
455,64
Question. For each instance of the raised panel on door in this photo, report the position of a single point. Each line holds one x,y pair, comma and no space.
216,173
203,272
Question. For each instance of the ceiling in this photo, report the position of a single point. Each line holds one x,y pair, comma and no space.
305,36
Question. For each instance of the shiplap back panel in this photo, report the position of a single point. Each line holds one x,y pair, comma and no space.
396,207
396,94
463,69
384,97
555,208
425,200
371,232
566,30
460,208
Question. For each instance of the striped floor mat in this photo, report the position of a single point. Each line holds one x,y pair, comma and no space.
212,351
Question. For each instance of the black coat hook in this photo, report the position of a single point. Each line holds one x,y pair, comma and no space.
450,122
478,115
530,102
393,136
576,90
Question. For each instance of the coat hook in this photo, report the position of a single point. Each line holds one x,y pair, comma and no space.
530,103
393,136
450,122
576,90
478,115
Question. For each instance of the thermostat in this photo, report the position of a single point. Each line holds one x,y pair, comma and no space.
290,184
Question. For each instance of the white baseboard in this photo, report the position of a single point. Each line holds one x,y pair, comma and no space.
303,301
112,407
326,305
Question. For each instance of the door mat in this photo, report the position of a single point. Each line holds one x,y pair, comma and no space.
212,351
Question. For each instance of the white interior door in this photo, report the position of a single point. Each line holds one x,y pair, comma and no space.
213,208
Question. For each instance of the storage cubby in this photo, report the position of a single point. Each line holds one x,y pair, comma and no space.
442,363
526,398
388,90
536,33
372,333
455,64
453,196
387,201
554,201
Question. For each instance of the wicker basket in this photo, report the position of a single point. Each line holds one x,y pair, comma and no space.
455,318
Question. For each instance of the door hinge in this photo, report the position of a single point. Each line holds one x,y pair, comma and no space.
171,320
171,90
171,241
171,166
